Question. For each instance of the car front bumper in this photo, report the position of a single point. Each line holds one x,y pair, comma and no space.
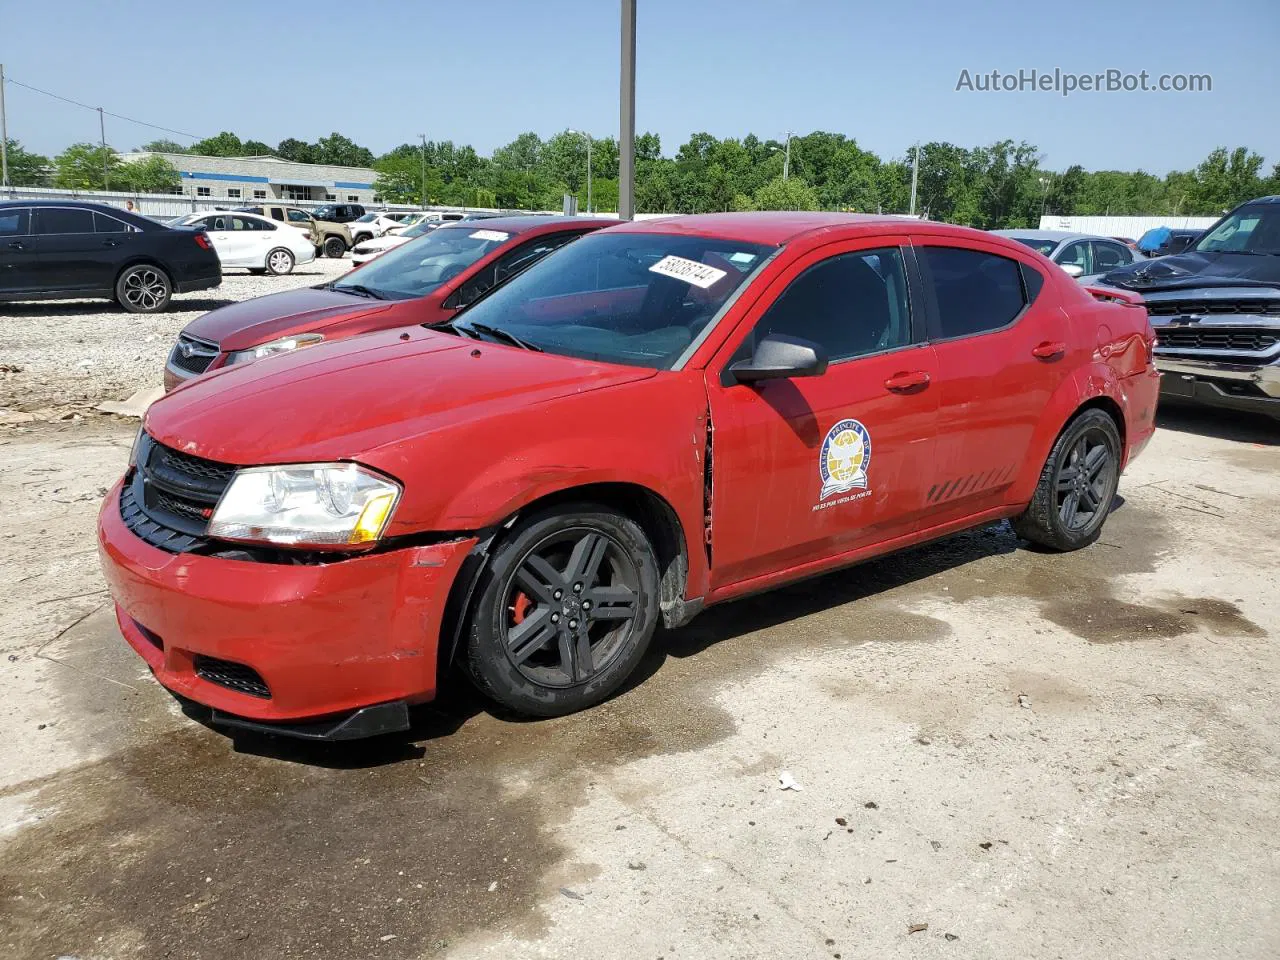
327,641
1233,386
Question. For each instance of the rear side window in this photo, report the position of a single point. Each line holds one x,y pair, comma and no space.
976,291
15,223
1108,256
851,305
278,214
104,224
58,220
1033,281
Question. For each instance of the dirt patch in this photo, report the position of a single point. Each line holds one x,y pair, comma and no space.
1108,620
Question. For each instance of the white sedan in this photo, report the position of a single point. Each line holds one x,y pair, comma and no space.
374,225
256,243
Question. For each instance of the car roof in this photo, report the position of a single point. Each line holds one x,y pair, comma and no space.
778,227
528,224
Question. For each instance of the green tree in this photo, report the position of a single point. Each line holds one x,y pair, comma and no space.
152,175
790,194
256,148
26,169
225,144
163,146
299,151
1225,179
79,167
341,151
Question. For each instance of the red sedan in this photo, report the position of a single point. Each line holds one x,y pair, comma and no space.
424,281
656,418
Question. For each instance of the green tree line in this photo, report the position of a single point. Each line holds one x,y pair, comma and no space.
998,185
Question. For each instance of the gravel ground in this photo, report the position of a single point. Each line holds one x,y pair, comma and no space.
1004,753
71,355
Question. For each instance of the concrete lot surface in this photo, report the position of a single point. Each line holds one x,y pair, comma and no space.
1014,754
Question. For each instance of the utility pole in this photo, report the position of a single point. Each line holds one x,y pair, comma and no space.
786,158
424,170
4,136
915,177
588,136
102,132
627,115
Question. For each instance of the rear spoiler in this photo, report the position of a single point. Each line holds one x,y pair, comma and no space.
1126,298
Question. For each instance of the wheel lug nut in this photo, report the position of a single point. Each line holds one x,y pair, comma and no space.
555,618
586,604
573,624
577,588
558,594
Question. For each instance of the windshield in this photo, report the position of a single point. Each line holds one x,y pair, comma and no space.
420,228
324,213
368,218
415,269
632,298
1037,244
1252,229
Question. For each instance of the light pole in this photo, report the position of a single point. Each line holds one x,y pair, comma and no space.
587,137
915,178
627,114
786,158
424,170
1044,194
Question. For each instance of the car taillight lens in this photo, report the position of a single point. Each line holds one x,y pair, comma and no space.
203,242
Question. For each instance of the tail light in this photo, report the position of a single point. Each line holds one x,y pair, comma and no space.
203,242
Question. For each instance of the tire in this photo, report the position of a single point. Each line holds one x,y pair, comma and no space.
1059,515
334,247
143,288
280,262
361,238
533,613
257,271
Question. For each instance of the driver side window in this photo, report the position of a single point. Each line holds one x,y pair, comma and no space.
851,305
509,264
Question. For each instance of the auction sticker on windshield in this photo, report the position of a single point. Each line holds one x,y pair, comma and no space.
690,271
497,236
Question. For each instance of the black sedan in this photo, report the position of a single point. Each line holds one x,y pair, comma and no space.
56,250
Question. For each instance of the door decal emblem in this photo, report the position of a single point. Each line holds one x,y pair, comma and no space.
844,459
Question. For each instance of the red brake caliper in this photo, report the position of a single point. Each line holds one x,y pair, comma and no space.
520,607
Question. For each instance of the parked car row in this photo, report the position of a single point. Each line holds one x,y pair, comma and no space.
554,434
254,242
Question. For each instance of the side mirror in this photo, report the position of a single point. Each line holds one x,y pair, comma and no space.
1072,269
779,357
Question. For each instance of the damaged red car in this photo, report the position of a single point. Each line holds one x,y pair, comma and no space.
658,417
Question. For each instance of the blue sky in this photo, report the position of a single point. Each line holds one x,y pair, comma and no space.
485,70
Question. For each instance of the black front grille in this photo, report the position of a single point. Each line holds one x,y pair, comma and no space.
1213,308
233,676
192,355
171,496
1217,338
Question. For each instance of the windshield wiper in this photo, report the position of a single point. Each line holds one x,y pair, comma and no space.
360,290
500,334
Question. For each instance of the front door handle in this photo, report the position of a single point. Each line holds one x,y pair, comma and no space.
111,243
1049,350
17,245
911,382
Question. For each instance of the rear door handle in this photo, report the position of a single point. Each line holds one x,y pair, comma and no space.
17,245
111,243
907,382
1049,350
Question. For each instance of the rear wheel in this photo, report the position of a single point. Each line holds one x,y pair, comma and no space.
1076,487
564,612
143,288
279,262
334,247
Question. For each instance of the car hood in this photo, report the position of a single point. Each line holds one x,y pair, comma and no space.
345,400
251,322
384,243
1186,270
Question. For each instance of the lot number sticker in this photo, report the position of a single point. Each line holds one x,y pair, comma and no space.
497,236
690,271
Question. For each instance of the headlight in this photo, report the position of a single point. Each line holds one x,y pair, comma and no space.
319,504
133,451
283,345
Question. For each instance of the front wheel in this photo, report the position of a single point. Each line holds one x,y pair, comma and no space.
1077,485
143,289
334,248
279,262
564,611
